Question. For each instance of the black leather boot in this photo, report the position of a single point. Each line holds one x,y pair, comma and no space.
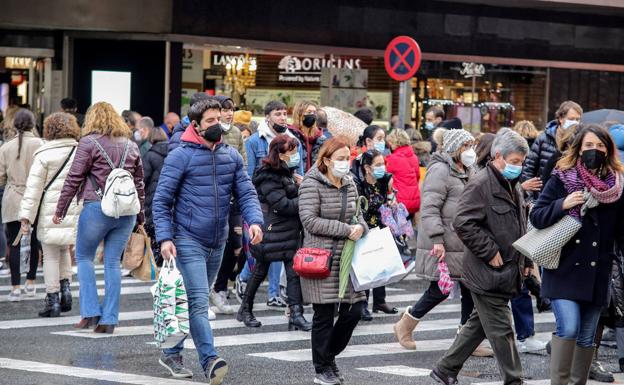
52,306
297,321
66,296
245,312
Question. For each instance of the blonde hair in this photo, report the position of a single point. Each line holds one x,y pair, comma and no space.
564,138
398,138
102,119
438,136
8,131
526,129
299,111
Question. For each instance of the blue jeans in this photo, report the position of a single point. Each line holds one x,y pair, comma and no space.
576,320
522,310
275,271
199,266
93,228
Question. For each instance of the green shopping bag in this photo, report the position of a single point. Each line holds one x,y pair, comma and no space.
171,316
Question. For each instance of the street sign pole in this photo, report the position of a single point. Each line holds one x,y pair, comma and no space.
402,103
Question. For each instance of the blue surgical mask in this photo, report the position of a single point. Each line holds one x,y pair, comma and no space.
379,172
511,172
380,146
429,126
294,160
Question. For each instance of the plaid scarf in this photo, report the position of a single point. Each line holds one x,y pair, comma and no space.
579,178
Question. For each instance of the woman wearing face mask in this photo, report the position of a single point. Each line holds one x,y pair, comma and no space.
405,169
578,288
372,181
278,194
305,129
447,174
327,200
373,138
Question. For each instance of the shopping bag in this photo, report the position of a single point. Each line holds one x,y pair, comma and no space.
147,270
376,261
171,316
23,240
135,249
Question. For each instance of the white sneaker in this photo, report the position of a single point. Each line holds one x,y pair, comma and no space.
220,303
75,269
5,272
530,345
15,295
30,290
211,315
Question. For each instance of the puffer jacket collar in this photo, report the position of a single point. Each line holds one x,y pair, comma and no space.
551,128
443,157
191,136
57,143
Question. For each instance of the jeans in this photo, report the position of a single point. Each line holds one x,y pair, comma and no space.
274,278
328,338
576,320
522,310
199,266
12,229
93,228
432,297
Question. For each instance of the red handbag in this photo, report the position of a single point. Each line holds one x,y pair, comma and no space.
313,263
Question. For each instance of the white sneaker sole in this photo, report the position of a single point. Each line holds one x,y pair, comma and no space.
317,381
11,299
219,375
176,375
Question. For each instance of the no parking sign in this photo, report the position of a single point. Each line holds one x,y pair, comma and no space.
402,58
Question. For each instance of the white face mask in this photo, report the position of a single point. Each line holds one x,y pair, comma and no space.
468,157
341,168
137,136
226,126
568,123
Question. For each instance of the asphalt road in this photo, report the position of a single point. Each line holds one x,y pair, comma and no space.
50,351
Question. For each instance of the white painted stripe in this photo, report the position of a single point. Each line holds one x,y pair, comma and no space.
41,286
124,291
399,370
299,355
63,321
92,374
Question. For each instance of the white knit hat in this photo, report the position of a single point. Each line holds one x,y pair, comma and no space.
455,139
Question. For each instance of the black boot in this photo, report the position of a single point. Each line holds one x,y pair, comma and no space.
245,315
66,296
297,321
52,306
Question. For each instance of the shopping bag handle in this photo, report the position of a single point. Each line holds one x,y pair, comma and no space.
169,264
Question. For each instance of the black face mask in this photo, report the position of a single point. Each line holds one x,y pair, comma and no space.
309,120
593,159
279,128
213,133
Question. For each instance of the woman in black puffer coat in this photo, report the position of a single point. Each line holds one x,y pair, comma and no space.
278,189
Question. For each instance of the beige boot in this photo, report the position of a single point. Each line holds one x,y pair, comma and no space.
581,363
404,328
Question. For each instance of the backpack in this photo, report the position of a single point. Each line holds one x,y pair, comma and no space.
120,197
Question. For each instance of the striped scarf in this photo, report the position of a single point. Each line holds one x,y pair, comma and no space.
579,178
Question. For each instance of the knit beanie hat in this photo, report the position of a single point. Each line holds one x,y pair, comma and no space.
455,139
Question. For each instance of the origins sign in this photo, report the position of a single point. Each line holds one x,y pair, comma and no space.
308,69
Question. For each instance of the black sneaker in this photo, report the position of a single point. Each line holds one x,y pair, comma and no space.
336,371
174,364
598,373
326,377
216,370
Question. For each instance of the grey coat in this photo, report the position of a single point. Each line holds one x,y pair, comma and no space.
441,190
320,205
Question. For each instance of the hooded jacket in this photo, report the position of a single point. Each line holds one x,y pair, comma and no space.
176,133
196,183
152,165
405,169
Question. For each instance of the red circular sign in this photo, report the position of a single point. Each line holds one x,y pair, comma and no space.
402,58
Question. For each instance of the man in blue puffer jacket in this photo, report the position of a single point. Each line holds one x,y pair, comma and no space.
191,209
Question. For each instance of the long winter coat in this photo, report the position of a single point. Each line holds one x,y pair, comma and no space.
405,169
325,212
541,151
13,173
279,199
48,160
442,188
153,162
491,216
584,270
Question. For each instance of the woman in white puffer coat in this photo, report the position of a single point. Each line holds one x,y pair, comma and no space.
45,181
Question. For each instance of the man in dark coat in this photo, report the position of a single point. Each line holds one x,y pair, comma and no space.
491,216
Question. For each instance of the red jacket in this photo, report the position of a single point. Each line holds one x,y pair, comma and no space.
405,170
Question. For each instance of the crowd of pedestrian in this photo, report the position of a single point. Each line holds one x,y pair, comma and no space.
233,200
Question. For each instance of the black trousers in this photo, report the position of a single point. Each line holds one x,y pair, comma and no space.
328,338
432,297
231,255
293,285
12,229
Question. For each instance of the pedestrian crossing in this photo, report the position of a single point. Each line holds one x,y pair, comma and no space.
434,335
